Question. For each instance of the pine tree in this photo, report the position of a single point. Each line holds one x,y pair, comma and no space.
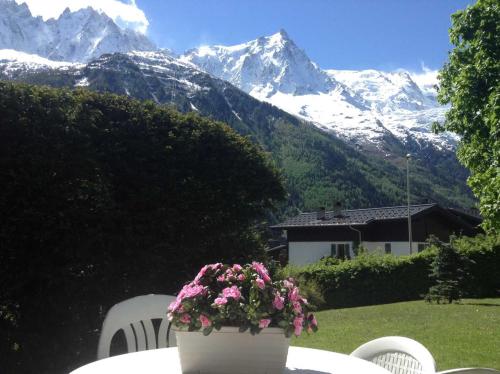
448,271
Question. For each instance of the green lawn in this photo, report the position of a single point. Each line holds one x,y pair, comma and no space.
457,335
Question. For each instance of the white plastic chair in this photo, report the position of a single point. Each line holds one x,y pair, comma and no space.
470,371
134,316
397,354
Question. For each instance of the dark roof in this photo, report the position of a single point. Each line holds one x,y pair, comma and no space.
356,216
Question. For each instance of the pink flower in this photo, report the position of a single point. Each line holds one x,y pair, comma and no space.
233,292
230,275
262,271
288,283
205,321
221,278
260,283
185,318
312,320
215,266
293,295
237,268
297,323
241,277
264,323
279,302
190,290
201,273
174,305
220,301
194,291
297,308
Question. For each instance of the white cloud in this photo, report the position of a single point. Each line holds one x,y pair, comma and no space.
125,14
426,77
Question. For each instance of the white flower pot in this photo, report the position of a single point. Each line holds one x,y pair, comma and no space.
229,351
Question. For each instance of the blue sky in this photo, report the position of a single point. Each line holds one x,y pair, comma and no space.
338,34
347,34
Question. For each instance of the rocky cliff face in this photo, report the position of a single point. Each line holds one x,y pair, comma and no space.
75,36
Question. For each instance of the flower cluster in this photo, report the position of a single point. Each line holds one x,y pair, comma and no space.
242,296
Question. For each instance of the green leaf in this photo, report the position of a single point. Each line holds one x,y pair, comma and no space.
207,330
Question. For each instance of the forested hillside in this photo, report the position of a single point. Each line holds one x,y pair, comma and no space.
319,168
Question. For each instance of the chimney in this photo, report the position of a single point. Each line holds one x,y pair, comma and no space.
337,210
320,214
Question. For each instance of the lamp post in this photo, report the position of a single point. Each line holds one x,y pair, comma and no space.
408,156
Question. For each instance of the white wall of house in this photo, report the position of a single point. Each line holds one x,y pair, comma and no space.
397,248
303,253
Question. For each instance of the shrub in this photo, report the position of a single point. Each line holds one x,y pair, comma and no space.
371,279
483,251
375,279
104,198
448,272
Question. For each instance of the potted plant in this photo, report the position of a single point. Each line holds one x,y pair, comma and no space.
235,319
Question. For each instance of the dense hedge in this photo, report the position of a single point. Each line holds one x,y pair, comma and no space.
103,198
372,279
483,278
375,279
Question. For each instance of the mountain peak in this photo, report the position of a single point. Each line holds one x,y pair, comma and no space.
263,66
282,34
74,36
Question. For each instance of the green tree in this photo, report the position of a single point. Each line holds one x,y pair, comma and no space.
448,270
470,82
103,198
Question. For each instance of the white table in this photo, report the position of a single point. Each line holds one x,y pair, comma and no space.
166,361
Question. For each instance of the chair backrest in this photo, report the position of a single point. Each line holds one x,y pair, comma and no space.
470,371
397,354
134,316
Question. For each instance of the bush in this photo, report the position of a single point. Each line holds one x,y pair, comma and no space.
448,272
376,279
483,251
104,198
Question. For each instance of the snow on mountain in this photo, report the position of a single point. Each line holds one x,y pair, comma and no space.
15,60
385,92
14,63
264,66
361,106
75,36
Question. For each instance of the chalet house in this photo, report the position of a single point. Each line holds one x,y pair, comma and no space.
338,233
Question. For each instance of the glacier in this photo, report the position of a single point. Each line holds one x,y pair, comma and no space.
363,107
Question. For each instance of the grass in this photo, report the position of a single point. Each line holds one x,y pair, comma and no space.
458,335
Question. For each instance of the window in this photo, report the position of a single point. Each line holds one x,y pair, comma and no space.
341,251
422,246
334,251
388,249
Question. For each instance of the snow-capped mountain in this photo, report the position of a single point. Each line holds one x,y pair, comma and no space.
75,36
12,61
367,107
264,66
315,164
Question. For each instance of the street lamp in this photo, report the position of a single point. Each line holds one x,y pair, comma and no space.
408,156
